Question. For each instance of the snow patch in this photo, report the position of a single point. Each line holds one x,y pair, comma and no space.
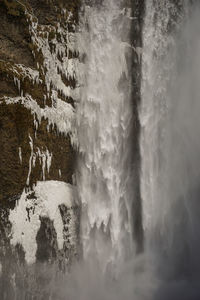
43,201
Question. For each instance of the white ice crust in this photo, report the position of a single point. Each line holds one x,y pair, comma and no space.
49,196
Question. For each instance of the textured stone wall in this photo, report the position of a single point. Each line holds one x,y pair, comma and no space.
37,94
16,121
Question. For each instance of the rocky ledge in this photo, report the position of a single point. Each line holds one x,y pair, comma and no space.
38,61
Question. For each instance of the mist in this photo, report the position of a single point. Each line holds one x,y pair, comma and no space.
170,263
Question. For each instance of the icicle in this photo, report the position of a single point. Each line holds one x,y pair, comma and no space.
20,155
30,160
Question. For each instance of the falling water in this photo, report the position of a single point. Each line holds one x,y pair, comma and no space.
169,148
169,264
104,132
169,116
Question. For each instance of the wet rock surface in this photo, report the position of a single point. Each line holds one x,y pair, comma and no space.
16,121
32,148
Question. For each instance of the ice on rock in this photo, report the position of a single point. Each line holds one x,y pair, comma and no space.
49,195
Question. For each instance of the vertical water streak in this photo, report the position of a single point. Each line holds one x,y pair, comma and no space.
104,118
157,63
169,129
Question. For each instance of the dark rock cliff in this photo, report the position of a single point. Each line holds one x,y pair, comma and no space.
34,144
17,50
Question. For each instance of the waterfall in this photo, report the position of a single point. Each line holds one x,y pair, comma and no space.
169,150
105,119
169,144
137,180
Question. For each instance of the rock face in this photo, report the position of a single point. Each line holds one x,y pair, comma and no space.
38,92
37,132
30,65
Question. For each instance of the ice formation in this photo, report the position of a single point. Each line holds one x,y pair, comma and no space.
43,201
